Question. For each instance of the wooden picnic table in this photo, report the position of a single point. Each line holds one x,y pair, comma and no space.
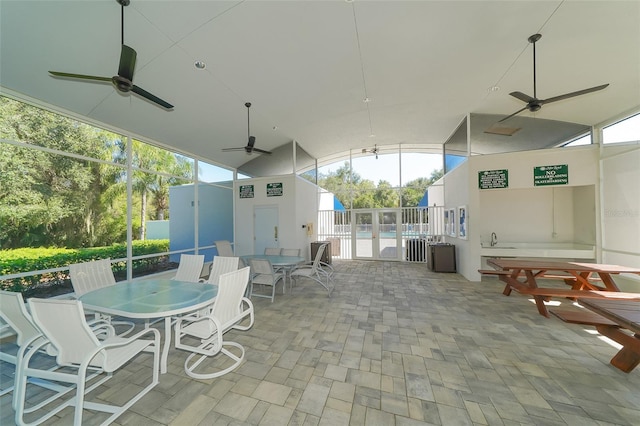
587,280
623,314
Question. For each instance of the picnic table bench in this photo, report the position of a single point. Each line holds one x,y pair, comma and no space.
522,276
618,317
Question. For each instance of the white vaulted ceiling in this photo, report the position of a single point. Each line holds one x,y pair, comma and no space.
306,66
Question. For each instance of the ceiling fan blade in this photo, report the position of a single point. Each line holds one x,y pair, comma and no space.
522,96
127,62
233,149
149,96
261,151
573,94
82,76
515,113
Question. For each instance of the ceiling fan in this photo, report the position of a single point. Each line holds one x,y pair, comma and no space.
124,80
533,103
373,150
250,148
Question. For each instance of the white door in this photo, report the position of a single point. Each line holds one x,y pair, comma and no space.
389,229
265,228
376,234
363,234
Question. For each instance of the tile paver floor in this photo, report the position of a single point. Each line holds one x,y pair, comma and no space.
396,344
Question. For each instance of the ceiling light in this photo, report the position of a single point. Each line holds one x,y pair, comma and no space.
200,65
502,131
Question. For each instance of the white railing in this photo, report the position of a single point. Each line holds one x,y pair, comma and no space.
418,226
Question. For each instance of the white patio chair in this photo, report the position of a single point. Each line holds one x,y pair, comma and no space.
314,271
14,312
287,252
224,248
290,252
189,268
222,265
272,251
263,274
229,310
92,275
63,324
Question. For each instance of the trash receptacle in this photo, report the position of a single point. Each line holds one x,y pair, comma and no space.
441,257
326,256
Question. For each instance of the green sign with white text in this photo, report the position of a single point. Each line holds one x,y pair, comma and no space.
551,175
490,179
246,191
274,190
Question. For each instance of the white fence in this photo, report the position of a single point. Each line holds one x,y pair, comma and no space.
415,228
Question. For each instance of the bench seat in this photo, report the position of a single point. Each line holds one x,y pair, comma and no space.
581,316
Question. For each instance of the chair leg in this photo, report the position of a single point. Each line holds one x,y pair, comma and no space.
190,366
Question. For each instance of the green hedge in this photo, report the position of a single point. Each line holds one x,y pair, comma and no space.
35,259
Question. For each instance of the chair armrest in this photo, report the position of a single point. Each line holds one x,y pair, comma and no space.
121,341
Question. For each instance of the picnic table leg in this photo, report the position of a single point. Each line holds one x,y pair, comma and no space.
507,290
531,282
507,279
542,308
608,282
628,357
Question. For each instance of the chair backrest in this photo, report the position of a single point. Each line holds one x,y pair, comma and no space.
224,248
318,258
290,252
272,251
190,267
62,322
14,312
261,266
91,275
231,288
222,265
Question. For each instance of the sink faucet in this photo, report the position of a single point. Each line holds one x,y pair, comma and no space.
494,239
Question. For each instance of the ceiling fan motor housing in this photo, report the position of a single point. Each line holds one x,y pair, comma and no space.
534,106
121,83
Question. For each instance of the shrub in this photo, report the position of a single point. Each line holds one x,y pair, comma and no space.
36,259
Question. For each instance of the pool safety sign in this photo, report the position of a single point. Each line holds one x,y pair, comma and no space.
490,179
246,191
274,190
551,175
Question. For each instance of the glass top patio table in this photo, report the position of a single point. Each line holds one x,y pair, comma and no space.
276,260
287,263
151,298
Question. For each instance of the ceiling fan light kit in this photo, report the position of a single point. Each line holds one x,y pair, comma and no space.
533,104
123,82
373,150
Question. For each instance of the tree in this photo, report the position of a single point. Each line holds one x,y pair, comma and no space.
349,187
48,198
152,182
